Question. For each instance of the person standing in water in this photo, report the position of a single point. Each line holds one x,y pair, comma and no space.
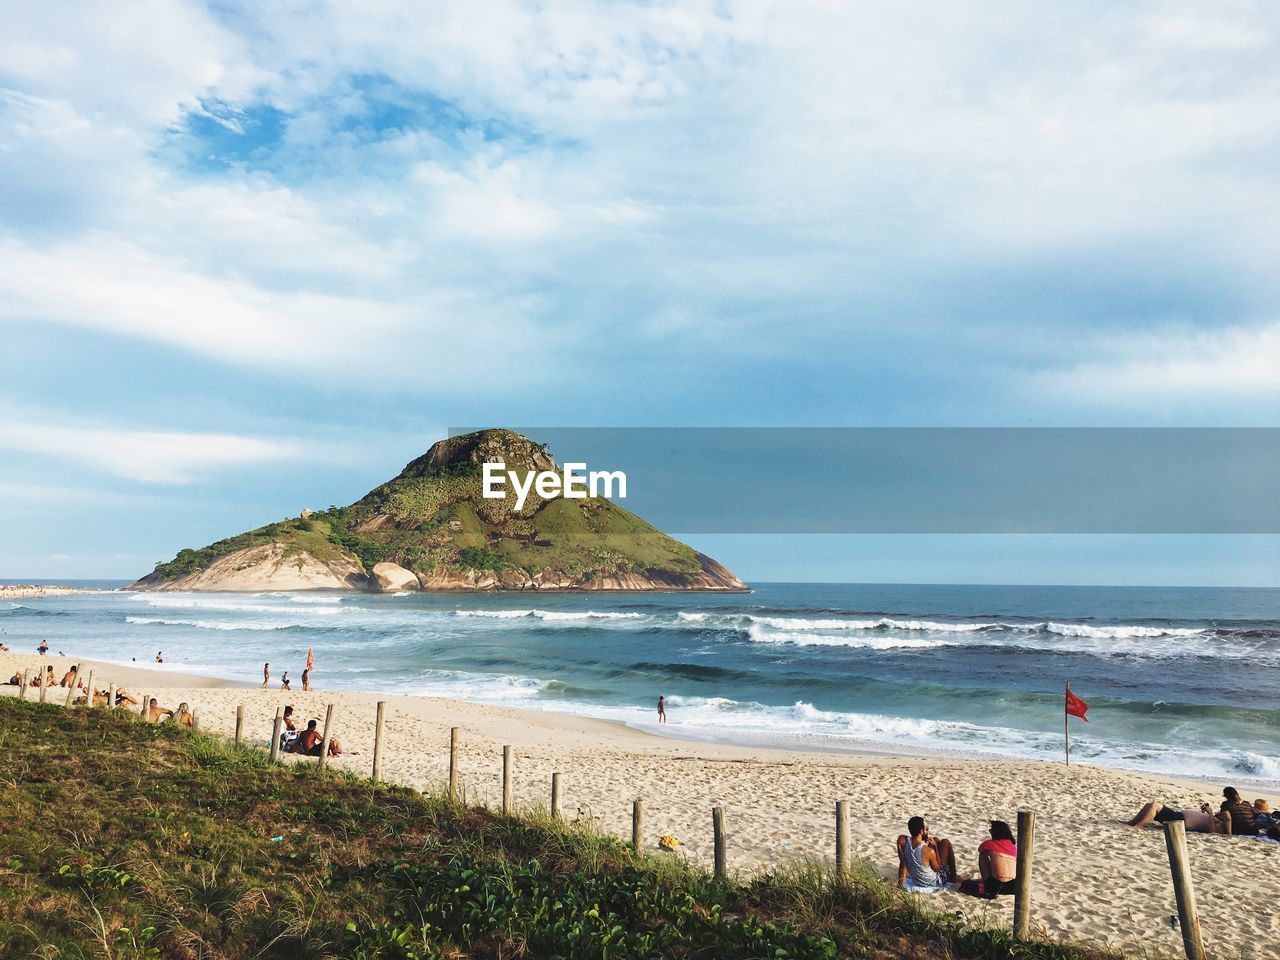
266,675
284,680
306,679
159,656
662,709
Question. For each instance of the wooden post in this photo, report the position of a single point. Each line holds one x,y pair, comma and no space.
555,796
145,701
842,838
89,696
1066,723
195,721
44,687
239,722
111,696
71,690
1022,883
717,832
324,744
506,781
637,824
377,740
22,690
1184,893
275,735
453,763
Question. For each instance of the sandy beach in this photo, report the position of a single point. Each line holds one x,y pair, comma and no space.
1096,878
33,591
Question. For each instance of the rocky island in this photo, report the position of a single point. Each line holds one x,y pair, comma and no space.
430,528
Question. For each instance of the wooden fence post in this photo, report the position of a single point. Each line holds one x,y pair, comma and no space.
506,781
842,838
453,763
1184,893
111,696
71,687
239,722
324,744
145,702
717,831
1022,883
377,739
555,796
637,824
44,687
22,689
195,721
89,696
275,735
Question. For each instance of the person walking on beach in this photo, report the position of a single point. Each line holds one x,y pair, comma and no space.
43,649
266,675
284,680
306,679
662,709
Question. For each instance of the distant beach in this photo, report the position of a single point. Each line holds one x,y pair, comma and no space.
31,591
1096,878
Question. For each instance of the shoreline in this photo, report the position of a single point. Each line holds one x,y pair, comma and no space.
34,591
1102,880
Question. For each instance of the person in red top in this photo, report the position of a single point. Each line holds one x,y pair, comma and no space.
997,862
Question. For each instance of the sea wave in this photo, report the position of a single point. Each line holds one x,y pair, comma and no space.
216,624
1119,631
548,615
763,633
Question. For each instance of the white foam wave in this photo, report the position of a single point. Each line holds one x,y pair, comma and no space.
883,623
229,605
213,624
304,598
548,615
760,633
1120,631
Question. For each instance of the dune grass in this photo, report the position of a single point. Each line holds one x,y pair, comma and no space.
125,840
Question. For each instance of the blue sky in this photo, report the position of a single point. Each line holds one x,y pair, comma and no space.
255,256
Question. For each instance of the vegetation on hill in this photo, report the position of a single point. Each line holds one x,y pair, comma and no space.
125,840
433,519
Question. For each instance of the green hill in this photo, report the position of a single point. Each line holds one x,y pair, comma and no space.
431,528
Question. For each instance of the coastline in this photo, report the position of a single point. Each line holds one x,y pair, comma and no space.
1102,880
34,591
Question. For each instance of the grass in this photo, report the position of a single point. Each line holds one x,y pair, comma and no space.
126,840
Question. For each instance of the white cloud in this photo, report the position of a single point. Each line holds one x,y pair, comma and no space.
149,456
1174,367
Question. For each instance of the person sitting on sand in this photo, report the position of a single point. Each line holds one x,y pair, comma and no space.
1238,813
14,681
925,864
3,648
1195,821
311,739
997,863
289,735
155,712
182,716
1263,818
68,678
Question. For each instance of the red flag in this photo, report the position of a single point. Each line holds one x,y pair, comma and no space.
1076,707
311,662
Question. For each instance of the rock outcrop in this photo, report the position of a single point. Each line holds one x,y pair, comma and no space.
268,567
431,528
392,578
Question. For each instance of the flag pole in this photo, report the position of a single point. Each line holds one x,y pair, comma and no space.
1066,722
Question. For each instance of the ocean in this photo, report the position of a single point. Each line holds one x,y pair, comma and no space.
1179,681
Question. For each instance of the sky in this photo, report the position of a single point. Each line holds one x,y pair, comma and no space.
256,257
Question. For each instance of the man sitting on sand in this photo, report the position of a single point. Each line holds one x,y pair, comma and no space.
155,712
1196,821
124,696
183,716
68,678
311,739
925,864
